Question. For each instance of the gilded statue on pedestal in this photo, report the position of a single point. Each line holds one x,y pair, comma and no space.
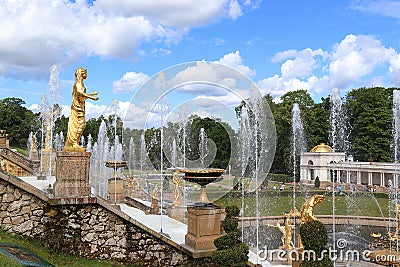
176,195
77,120
132,186
286,230
154,209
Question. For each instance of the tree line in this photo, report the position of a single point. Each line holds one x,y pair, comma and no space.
369,128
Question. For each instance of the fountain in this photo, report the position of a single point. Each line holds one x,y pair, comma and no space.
99,173
203,147
338,143
200,235
298,147
132,155
202,177
44,106
116,189
244,142
89,143
52,114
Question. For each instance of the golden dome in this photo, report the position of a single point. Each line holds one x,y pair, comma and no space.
322,148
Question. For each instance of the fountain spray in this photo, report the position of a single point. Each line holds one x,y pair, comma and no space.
396,137
298,146
44,105
339,142
244,142
55,92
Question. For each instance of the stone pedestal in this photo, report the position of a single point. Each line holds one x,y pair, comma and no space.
34,155
116,192
45,158
203,227
177,213
3,139
72,175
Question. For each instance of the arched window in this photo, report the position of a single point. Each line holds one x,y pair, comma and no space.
311,163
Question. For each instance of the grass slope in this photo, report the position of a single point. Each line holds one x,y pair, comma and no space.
53,258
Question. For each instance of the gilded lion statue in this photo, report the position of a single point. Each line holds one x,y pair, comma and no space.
307,210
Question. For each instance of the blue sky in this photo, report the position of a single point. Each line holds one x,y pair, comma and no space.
280,45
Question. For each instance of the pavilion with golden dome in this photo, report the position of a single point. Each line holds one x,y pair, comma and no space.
326,164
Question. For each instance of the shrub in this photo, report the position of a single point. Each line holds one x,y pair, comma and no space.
315,237
230,250
317,183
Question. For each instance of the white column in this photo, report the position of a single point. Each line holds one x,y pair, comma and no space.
348,180
382,179
358,177
370,178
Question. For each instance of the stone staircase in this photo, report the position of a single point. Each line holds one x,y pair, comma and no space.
15,163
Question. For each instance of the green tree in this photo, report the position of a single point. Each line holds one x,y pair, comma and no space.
318,126
220,132
61,125
17,120
370,111
92,128
282,113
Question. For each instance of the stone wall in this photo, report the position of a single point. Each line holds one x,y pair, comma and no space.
86,227
20,212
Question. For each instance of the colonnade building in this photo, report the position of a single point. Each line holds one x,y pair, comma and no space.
328,166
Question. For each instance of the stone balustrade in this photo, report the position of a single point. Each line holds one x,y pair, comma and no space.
88,227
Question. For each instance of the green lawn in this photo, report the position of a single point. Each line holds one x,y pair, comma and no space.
21,150
53,258
275,203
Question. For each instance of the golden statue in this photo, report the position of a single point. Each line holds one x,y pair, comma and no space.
307,210
77,121
154,209
34,144
132,186
176,195
286,231
307,213
398,219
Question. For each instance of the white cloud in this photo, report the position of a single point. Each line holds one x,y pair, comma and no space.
382,7
182,14
36,34
130,82
235,10
93,110
352,59
132,116
157,52
355,57
199,79
234,60
394,69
